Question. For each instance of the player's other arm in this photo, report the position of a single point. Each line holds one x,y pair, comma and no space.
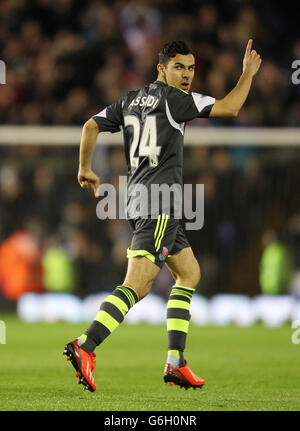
232,103
86,177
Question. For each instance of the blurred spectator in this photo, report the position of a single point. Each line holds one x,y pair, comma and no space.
275,266
58,269
11,199
45,202
20,265
270,96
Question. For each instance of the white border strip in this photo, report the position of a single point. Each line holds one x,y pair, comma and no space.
202,101
209,136
173,123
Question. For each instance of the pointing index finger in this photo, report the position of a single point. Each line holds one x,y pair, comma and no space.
249,45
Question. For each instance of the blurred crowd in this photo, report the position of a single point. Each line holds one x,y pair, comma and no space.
66,60
51,238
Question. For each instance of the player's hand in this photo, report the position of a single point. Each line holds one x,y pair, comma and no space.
88,180
252,60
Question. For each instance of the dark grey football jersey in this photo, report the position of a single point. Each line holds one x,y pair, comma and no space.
153,121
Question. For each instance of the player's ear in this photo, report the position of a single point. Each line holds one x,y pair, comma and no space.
161,70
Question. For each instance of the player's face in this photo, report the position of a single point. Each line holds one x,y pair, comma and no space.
180,71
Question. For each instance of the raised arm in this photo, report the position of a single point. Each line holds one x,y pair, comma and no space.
232,103
86,177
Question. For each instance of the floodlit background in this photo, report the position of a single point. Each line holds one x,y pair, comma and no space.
68,59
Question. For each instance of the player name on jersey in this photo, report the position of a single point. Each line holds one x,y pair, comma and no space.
145,101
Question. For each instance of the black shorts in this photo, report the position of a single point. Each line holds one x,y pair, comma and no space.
156,239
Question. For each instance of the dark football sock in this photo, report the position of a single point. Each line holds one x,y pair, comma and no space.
112,312
178,318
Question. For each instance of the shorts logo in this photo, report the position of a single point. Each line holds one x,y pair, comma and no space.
163,254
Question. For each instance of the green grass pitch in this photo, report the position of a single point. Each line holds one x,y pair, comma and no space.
253,368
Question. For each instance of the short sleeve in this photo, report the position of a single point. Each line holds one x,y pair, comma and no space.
110,119
187,106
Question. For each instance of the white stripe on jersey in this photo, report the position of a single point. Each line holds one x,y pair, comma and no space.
202,101
102,113
173,123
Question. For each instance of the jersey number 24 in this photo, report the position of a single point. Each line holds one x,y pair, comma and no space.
145,140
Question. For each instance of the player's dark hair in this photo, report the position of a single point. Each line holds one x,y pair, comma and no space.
170,49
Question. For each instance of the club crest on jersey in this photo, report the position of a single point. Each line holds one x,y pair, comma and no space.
163,254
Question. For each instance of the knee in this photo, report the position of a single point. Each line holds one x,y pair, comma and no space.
191,276
141,290
140,275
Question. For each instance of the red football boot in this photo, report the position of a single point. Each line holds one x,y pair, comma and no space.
182,376
83,363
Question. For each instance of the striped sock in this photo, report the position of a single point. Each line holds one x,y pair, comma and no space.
112,312
178,318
